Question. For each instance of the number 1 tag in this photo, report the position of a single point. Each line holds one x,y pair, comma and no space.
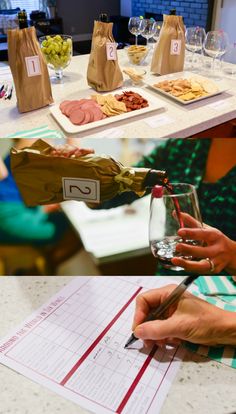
33,65
111,51
175,48
81,189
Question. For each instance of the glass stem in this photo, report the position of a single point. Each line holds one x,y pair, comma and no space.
136,40
59,73
192,58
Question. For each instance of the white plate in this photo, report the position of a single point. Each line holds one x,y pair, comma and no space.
66,124
184,75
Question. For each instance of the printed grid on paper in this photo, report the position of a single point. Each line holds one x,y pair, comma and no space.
55,345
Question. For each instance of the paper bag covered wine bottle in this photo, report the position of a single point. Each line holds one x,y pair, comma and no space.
29,70
46,179
169,53
103,73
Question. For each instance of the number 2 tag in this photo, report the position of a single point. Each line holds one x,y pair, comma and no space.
33,65
111,51
175,48
81,189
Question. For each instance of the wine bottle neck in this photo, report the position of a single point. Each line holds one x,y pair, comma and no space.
155,177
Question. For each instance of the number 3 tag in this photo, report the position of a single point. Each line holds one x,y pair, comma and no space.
33,65
111,51
175,48
81,189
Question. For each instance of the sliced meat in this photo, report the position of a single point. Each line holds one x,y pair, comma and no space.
62,104
77,116
87,118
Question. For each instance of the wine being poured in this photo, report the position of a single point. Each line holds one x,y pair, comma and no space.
173,206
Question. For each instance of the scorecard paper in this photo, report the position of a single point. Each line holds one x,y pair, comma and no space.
74,345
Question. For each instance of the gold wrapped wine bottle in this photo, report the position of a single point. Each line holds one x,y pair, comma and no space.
46,179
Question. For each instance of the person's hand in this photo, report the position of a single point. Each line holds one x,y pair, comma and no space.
214,253
218,248
51,208
3,170
68,151
191,319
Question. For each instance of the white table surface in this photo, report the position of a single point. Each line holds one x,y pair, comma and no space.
201,386
112,234
179,121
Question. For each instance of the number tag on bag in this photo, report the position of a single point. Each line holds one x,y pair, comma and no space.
81,189
111,51
33,65
175,48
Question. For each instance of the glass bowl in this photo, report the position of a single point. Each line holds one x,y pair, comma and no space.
57,50
137,54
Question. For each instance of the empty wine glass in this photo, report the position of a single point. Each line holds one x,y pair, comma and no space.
148,28
158,26
215,45
134,27
194,40
229,61
169,213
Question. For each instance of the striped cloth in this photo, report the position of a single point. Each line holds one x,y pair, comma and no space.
39,132
222,287
219,291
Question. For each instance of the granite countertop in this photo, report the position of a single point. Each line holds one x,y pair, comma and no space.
201,386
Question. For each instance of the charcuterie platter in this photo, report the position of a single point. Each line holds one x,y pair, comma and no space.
82,114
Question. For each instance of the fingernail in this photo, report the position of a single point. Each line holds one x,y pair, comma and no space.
182,233
138,331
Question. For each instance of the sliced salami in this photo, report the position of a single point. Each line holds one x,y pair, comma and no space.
77,116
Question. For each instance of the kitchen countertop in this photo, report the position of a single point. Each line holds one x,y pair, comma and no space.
174,120
201,386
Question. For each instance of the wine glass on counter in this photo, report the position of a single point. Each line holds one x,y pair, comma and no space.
148,28
172,207
216,45
134,26
194,40
229,61
158,26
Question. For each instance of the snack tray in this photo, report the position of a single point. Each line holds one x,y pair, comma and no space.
66,124
184,75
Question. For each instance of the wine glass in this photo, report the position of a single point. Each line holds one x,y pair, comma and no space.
229,61
158,26
215,45
57,50
194,40
168,213
148,28
134,26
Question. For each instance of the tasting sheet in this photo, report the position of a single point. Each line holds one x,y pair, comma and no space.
74,345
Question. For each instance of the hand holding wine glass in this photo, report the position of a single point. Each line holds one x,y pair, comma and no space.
216,253
166,218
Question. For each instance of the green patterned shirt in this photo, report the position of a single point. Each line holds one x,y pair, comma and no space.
185,161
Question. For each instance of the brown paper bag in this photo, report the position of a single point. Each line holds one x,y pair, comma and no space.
29,70
169,53
103,72
46,179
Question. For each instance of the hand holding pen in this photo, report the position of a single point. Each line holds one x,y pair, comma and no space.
160,311
187,318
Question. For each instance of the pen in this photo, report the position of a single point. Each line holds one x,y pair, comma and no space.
158,312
